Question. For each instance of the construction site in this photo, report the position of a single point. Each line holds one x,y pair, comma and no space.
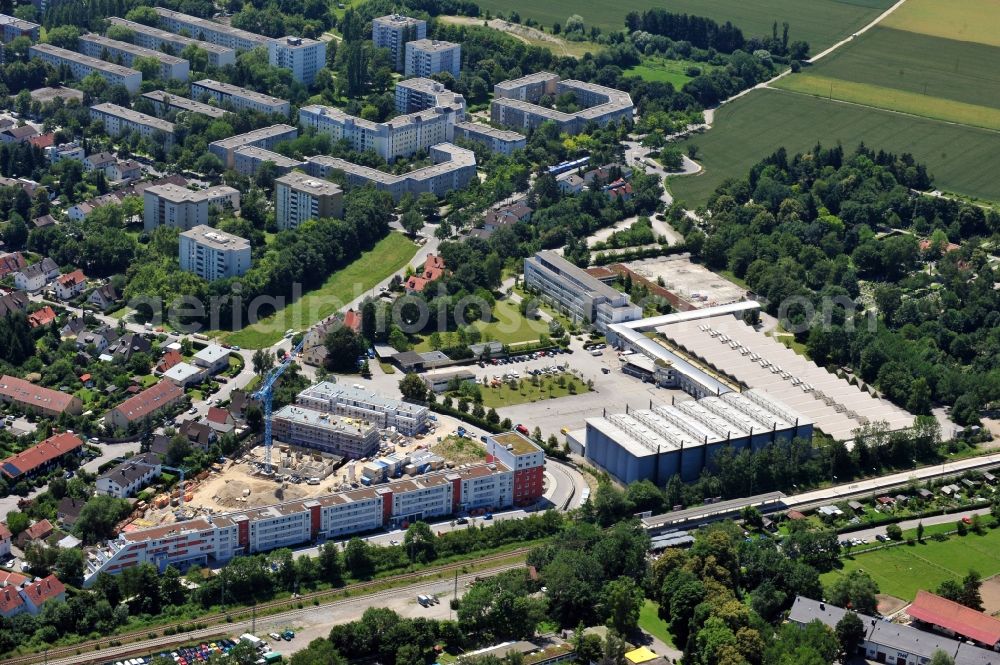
693,283
297,473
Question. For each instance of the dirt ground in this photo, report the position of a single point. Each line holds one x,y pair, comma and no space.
990,591
888,605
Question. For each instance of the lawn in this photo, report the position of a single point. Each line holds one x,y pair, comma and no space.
651,622
666,71
391,254
507,327
961,159
459,450
819,22
547,388
902,571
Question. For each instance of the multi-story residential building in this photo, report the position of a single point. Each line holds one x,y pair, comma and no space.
527,460
454,168
348,437
218,538
247,160
516,103
29,596
212,254
237,98
420,94
119,120
112,50
209,31
164,103
265,137
147,404
57,153
182,208
394,31
127,478
161,40
80,66
303,56
573,291
299,197
43,455
70,285
32,278
385,412
401,136
503,141
426,57
12,28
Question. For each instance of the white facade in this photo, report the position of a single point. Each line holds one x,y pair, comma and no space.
426,57
237,98
394,31
180,207
210,31
161,40
503,141
81,65
213,358
407,418
265,137
127,478
347,437
299,197
212,254
119,120
112,50
304,57
57,153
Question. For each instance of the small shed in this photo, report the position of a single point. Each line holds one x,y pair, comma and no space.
856,506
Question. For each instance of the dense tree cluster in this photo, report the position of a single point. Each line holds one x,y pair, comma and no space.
701,32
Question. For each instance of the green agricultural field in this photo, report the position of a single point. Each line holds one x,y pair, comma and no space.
928,67
891,99
389,255
666,71
964,20
902,571
961,159
819,22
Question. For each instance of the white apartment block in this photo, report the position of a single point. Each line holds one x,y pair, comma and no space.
572,290
453,168
419,94
81,65
164,102
161,40
209,31
112,50
57,153
394,31
353,438
182,208
212,254
515,103
385,412
218,538
127,478
426,57
237,98
401,136
265,137
247,160
503,141
304,57
119,120
299,197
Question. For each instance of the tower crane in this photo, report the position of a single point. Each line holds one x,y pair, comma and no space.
264,395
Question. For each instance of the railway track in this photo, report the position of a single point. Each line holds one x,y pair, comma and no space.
137,643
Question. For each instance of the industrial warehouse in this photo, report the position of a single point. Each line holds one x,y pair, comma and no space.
512,476
712,351
682,438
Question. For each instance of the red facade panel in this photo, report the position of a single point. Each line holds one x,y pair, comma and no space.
314,517
243,533
386,507
456,494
